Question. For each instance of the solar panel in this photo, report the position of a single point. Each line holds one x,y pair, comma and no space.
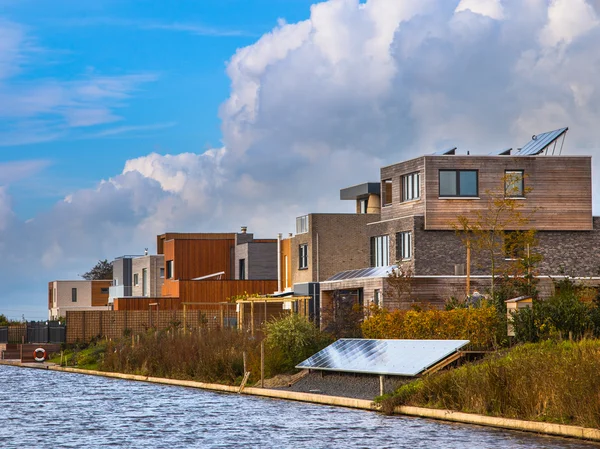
446,152
504,152
383,357
363,273
538,144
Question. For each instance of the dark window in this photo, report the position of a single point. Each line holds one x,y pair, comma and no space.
377,298
104,290
513,183
303,256
170,269
459,183
161,272
411,187
363,202
380,251
242,269
386,197
74,295
403,245
136,279
144,281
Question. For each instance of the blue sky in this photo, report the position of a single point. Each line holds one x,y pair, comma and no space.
122,119
181,48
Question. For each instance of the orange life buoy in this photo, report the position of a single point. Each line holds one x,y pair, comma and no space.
39,355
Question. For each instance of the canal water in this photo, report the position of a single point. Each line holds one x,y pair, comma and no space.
46,409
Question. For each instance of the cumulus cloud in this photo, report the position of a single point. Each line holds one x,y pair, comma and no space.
323,103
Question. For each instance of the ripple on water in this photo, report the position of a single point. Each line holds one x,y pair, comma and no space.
44,409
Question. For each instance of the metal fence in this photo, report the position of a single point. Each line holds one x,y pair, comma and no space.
4,334
34,332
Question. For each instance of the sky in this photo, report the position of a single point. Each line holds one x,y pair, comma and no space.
121,120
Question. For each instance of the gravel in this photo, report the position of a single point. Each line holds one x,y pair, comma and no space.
358,386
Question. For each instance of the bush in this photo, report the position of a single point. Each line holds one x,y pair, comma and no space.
482,326
291,340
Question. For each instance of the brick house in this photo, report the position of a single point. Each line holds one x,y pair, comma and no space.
422,198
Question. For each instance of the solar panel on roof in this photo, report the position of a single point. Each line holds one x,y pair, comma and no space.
383,357
446,152
504,152
540,143
363,273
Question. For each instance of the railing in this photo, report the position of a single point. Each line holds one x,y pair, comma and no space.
118,291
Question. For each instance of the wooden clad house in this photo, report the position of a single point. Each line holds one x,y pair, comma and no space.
76,295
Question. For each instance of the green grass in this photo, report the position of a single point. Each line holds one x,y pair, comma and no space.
549,381
90,357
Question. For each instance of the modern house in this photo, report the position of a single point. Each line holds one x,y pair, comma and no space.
422,199
76,295
148,275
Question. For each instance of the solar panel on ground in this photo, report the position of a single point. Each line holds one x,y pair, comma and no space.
363,273
540,142
382,357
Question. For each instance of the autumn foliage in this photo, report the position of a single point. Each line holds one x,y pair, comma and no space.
480,325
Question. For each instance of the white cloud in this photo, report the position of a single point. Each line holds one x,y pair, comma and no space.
322,104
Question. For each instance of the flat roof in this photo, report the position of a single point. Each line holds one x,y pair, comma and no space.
354,192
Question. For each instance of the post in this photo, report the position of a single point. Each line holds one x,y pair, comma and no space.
262,364
468,267
244,358
222,316
381,391
22,343
184,318
265,321
252,318
279,262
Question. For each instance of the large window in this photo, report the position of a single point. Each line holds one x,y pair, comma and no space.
513,183
144,281
242,269
303,256
403,245
170,269
456,183
386,192
74,295
380,251
302,224
411,187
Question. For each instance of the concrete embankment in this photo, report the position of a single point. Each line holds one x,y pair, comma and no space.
446,415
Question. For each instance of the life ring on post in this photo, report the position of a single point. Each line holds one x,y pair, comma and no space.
39,355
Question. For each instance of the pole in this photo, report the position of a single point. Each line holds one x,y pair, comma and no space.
279,262
468,267
380,385
184,319
252,317
262,364
244,358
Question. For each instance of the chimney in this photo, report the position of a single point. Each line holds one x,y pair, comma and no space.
244,229
145,251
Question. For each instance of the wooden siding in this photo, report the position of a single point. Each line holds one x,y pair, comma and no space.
161,239
100,299
560,196
399,209
286,274
195,258
50,291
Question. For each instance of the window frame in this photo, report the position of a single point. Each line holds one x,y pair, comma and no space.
303,256
409,180
242,269
380,251
457,173
170,269
385,184
302,224
74,294
363,202
403,246
136,279
508,194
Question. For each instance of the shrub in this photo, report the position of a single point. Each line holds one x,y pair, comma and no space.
483,326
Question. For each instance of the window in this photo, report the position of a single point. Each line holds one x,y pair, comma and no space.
403,245
136,279
411,187
303,255
514,244
380,251
362,203
386,197
459,183
170,269
74,295
377,297
513,183
302,224
144,282
242,269
161,272
104,290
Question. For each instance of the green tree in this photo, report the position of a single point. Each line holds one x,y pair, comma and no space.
103,270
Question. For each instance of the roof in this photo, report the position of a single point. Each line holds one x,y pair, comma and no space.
541,142
383,357
354,192
372,272
520,298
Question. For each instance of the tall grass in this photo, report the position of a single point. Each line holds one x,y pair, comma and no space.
549,381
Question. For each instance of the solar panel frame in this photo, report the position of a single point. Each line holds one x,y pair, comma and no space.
446,152
382,357
540,142
360,273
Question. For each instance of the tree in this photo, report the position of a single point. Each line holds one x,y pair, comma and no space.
101,271
399,286
496,231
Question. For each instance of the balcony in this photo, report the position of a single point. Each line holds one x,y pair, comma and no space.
118,291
